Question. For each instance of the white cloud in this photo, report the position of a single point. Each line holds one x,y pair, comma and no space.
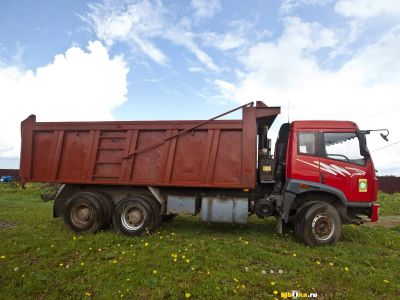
288,5
142,23
77,85
366,89
224,42
365,9
205,8
135,23
181,35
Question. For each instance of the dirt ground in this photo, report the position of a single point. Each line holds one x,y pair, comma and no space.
386,221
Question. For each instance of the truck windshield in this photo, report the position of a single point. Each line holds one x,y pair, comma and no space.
344,146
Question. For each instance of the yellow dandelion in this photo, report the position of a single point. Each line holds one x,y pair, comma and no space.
385,281
235,291
61,264
243,286
51,246
273,283
123,252
128,279
118,245
294,254
183,256
114,261
3,257
346,269
74,238
154,272
275,292
88,294
246,242
146,244
188,260
175,259
208,272
235,280
187,295
193,269
318,262
331,264
82,263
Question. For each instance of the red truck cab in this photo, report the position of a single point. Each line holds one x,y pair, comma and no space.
329,162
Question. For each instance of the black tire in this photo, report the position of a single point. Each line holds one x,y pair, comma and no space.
298,224
321,225
108,207
156,207
83,213
133,216
168,218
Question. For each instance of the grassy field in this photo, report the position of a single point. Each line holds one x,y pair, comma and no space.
41,259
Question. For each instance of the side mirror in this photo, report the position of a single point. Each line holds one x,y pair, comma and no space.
385,136
363,145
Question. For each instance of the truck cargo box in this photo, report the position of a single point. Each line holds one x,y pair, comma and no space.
219,154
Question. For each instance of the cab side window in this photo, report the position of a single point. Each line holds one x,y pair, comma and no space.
306,143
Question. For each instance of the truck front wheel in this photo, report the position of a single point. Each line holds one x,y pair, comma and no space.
320,225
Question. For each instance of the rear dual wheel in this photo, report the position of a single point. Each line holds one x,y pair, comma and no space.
318,224
135,215
88,212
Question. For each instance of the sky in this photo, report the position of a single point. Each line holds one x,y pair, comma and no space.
158,60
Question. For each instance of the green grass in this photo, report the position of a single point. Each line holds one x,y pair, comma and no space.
41,259
390,204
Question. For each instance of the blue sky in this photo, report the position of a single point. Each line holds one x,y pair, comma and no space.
143,60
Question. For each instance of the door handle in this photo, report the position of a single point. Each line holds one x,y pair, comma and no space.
322,178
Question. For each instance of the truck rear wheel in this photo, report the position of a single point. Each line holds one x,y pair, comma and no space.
133,216
107,206
156,207
83,213
321,225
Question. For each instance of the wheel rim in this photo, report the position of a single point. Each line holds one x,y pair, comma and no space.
81,215
323,227
132,217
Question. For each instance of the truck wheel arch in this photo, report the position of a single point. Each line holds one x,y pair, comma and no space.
298,192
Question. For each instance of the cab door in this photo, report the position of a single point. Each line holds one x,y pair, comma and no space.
343,167
304,149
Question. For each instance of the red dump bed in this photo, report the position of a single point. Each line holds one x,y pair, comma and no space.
217,154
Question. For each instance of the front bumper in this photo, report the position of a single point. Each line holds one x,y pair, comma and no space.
374,212
356,210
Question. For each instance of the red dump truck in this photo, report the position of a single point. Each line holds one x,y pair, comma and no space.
137,174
